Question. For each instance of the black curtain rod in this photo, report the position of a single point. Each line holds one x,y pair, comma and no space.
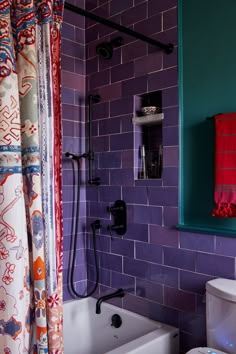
168,48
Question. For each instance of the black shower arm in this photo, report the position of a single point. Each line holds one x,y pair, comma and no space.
168,48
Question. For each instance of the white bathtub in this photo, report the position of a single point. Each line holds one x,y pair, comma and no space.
85,332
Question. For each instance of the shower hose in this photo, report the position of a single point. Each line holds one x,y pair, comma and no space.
74,232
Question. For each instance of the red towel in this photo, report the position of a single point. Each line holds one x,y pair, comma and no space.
225,166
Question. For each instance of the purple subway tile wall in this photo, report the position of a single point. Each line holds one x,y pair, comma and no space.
73,121
163,271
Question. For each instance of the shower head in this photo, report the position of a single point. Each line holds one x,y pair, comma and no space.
105,49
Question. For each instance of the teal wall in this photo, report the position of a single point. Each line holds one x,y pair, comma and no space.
208,86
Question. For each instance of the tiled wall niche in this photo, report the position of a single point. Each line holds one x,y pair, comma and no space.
164,271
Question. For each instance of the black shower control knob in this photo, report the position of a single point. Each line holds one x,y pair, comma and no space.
116,321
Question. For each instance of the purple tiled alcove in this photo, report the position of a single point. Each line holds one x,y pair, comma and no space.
163,271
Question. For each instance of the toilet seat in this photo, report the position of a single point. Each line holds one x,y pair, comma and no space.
205,350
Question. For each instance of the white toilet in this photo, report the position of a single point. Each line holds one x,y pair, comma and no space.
220,317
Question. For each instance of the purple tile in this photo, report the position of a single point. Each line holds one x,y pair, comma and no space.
171,156
91,34
149,252
163,79
110,160
163,196
99,79
151,310
220,266
171,136
101,110
111,261
169,99
226,246
98,210
195,325
121,107
127,159
149,290
100,144
171,117
122,72
68,128
135,195
155,7
194,282
201,305
179,299
72,80
68,31
170,19
170,60
69,111
73,49
104,275
121,177
122,247
198,242
91,194
73,19
138,232
148,64
67,63
109,194
180,258
80,36
134,14
170,216
170,176
91,4
91,65
153,272
150,25
133,51
103,243
119,6
145,214
67,97
124,141
134,86
163,236
123,281
110,92
80,66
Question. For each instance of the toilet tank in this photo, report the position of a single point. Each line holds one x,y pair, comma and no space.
221,314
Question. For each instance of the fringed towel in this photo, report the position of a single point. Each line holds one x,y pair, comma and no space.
225,166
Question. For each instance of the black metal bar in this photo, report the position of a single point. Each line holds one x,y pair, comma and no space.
168,48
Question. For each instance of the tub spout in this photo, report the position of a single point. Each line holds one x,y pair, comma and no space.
118,293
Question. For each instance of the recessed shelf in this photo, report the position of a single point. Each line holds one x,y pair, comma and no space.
149,119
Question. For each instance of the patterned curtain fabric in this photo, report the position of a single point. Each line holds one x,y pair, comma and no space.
30,179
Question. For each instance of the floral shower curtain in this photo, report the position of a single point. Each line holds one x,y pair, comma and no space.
30,178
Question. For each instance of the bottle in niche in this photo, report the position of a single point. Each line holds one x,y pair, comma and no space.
142,169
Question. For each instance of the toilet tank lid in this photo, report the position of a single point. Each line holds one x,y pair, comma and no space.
223,288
